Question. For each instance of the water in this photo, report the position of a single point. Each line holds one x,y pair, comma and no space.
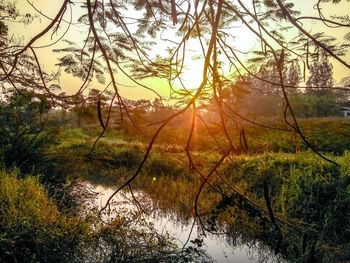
165,222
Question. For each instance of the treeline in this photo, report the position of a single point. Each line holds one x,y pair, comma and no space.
31,119
249,97
239,103
313,96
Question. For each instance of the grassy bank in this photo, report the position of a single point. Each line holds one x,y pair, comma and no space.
310,200
310,194
33,229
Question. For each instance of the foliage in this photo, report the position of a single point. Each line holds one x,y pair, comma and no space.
26,130
33,230
298,183
159,166
310,193
315,105
117,154
321,75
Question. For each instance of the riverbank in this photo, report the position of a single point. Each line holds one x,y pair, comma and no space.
308,193
308,198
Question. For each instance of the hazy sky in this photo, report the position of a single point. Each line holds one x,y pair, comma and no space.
77,33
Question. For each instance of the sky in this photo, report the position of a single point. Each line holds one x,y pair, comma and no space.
193,77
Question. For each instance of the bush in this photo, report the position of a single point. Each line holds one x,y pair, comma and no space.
32,229
26,132
302,187
314,104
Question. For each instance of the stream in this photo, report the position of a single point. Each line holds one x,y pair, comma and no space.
216,246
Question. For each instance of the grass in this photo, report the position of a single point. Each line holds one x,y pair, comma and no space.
309,193
304,189
33,229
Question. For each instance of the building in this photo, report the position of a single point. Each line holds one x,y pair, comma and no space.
346,111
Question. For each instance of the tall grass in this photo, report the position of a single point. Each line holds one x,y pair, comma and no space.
32,229
303,188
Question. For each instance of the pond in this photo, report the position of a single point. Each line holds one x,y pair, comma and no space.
218,247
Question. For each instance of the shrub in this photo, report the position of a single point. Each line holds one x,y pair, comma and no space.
32,229
26,132
302,187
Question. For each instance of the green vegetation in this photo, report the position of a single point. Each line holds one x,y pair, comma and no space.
306,191
309,192
42,217
328,135
26,131
34,230
39,214
269,188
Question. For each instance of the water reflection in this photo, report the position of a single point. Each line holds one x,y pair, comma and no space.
166,222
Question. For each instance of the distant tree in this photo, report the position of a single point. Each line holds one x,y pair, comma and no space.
293,77
343,97
263,83
96,95
345,82
24,134
97,99
320,100
256,98
234,96
321,76
312,105
141,110
78,106
159,111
